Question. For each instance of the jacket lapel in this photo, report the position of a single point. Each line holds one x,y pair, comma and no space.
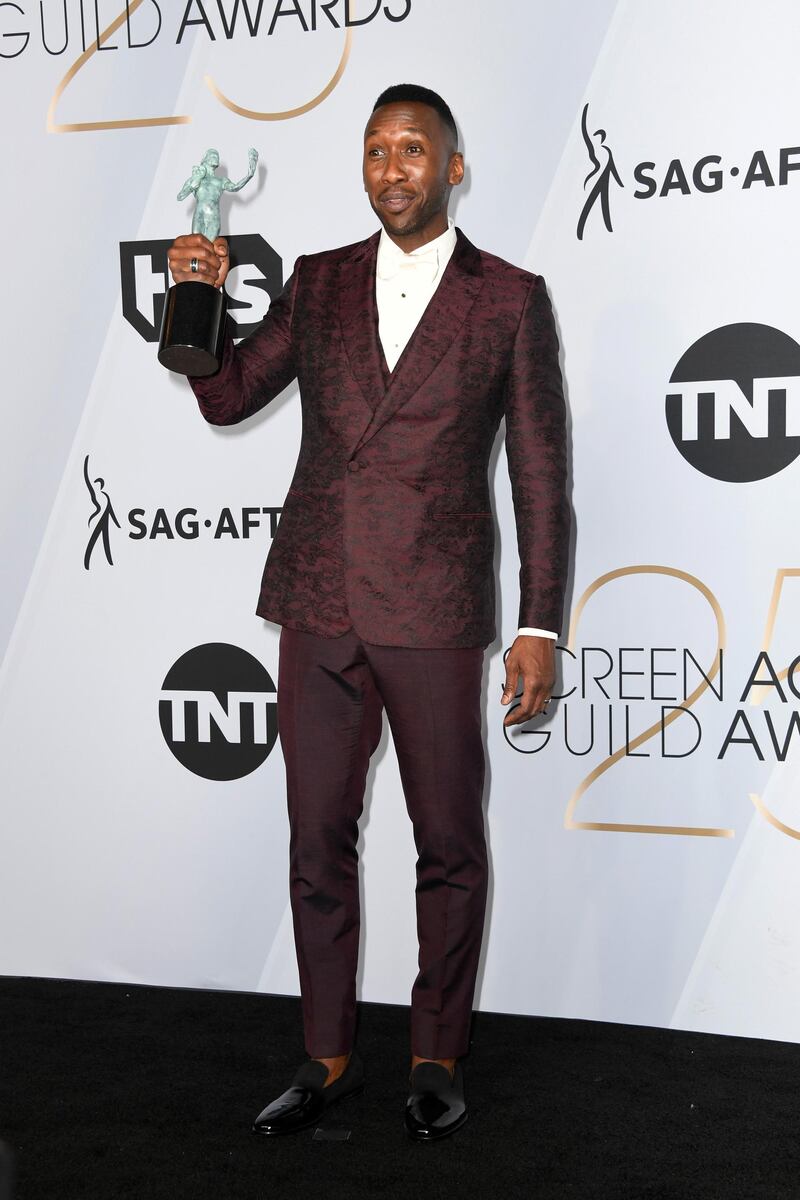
358,314
433,337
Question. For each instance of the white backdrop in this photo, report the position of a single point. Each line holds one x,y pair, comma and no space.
644,858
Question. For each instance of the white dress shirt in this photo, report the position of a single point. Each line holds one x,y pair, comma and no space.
404,287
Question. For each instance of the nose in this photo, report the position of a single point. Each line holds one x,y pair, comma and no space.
393,170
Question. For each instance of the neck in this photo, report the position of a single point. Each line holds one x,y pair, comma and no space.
419,238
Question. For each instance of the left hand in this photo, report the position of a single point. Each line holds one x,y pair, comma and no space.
534,658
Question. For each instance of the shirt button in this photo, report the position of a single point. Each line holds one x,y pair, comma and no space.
352,465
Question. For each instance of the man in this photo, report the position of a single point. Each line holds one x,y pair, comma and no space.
409,349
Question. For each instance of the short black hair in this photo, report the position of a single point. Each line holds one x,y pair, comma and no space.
414,93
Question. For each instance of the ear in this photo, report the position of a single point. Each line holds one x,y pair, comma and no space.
455,174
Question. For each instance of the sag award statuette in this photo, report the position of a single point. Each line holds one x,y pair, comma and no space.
193,324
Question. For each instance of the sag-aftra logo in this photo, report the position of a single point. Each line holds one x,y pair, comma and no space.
148,524
754,170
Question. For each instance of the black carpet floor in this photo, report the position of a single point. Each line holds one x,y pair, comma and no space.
115,1091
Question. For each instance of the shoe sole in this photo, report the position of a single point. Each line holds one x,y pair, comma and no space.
356,1091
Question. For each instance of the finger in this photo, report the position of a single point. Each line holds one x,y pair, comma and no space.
204,274
192,242
189,246
186,251
517,716
194,263
512,676
533,703
199,241
224,267
526,708
221,251
510,719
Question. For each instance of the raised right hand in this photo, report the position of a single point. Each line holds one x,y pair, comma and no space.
212,259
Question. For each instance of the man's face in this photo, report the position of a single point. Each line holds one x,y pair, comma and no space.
410,165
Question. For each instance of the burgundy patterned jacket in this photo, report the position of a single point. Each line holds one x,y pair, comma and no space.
387,527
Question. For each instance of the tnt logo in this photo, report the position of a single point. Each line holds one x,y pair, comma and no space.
733,405
218,712
255,278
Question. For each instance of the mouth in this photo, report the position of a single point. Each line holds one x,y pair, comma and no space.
396,202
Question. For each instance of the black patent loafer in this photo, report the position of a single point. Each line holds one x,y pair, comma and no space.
302,1104
435,1107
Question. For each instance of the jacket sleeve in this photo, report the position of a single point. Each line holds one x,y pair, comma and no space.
536,448
258,369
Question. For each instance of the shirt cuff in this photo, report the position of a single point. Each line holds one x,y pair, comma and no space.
537,633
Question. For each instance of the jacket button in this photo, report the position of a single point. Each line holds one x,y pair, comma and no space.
352,465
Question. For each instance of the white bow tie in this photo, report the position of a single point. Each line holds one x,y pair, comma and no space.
425,264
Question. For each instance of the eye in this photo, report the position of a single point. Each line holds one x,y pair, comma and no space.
374,152
415,148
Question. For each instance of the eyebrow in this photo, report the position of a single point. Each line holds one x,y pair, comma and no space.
406,129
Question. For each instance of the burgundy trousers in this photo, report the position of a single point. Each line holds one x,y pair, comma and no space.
331,695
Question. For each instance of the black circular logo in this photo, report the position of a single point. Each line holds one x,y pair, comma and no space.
217,711
733,405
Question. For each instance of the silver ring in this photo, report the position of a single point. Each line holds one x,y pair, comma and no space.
194,266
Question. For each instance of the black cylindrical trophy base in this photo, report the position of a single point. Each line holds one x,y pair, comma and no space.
192,329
